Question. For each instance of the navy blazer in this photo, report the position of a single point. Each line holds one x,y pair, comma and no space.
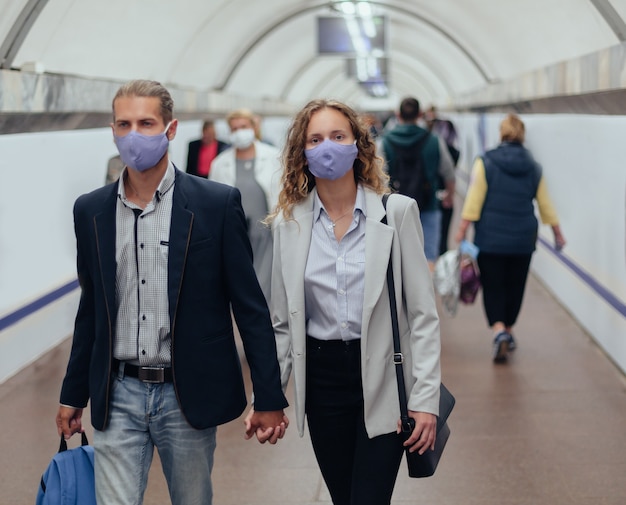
209,272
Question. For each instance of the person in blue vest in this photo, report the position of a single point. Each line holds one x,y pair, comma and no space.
499,203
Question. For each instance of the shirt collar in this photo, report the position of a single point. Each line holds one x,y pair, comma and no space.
167,182
359,203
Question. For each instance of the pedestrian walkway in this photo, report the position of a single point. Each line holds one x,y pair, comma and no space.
548,428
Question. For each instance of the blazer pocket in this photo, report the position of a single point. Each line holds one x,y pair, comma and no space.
202,244
217,337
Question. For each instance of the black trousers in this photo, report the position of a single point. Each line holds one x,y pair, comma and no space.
503,278
357,470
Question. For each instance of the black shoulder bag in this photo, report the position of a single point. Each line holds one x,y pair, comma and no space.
419,465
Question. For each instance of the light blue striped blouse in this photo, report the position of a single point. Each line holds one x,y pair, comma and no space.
335,275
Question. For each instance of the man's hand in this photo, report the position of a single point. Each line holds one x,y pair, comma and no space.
268,426
69,421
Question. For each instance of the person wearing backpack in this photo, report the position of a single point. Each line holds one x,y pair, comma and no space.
415,161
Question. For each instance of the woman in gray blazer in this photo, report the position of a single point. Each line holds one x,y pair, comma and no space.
330,305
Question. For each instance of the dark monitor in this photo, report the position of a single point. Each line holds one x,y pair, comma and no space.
351,35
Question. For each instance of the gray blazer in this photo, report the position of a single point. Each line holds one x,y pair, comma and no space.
417,312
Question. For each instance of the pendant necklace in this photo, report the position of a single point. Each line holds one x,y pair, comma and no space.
332,224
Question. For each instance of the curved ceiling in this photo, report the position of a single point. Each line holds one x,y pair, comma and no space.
436,50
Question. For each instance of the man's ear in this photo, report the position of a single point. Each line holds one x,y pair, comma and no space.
171,131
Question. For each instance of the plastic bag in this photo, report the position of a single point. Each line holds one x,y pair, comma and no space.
447,279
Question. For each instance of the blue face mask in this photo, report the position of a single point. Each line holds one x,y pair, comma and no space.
330,160
142,152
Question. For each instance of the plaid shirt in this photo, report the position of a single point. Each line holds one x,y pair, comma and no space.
142,331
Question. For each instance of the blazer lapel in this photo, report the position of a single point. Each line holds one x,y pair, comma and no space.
180,233
378,240
295,242
105,233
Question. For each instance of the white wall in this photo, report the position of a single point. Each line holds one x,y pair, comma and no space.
583,163
42,175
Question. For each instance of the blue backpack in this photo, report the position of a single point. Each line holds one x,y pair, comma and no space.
69,478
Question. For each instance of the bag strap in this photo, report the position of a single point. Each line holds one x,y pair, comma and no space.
63,444
398,357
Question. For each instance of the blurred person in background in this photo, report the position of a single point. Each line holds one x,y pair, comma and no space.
499,203
416,162
444,129
253,167
202,152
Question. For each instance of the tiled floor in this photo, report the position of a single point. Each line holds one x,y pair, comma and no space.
547,428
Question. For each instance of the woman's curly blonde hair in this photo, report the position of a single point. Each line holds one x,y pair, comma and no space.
297,181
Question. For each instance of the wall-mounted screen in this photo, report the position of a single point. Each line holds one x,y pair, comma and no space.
367,68
351,35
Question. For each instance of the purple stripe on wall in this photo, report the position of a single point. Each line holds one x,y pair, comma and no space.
604,293
40,303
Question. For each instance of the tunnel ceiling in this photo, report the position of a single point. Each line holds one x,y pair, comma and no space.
436,49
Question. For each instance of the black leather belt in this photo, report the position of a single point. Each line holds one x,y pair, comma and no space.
333,344
149,374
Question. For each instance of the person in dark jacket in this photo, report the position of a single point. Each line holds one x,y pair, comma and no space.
402,147
163,261
499,203
202,152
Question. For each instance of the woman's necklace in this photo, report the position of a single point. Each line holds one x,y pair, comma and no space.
332,224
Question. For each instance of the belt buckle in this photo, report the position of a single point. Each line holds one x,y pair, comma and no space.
151,374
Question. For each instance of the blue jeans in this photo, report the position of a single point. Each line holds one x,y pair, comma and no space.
431,224
143,416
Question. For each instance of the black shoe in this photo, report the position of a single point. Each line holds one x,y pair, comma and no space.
501,347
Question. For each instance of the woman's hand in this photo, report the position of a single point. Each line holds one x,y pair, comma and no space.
559,240
462,230
424,433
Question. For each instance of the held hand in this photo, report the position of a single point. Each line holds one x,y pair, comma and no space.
424,433
267,426
69,421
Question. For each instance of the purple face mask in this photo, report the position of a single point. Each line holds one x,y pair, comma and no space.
330,160
142,152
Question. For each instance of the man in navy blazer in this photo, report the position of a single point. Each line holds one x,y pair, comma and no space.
163,259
